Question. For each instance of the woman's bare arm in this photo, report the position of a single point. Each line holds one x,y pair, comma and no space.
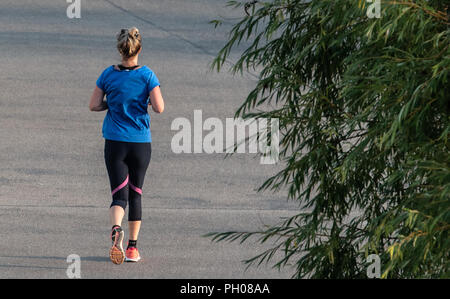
156,100
97,103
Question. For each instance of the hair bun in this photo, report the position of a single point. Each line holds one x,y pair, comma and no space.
133,32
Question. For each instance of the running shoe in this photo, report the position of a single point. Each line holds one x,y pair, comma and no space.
116,253
132,255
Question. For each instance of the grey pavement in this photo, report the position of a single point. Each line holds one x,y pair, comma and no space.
54,189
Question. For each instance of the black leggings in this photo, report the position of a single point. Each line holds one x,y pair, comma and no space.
127,163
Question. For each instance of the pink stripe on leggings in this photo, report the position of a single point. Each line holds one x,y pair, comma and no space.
138,190
120,186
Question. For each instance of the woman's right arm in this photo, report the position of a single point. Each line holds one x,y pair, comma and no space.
156,100
97,103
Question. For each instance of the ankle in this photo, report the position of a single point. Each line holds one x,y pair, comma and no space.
132,243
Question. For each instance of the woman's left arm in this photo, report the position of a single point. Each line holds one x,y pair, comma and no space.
97,103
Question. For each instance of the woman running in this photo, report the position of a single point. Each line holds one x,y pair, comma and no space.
129,89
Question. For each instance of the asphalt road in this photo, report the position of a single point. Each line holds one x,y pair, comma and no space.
54,189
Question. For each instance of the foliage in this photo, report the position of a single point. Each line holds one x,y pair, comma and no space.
363,105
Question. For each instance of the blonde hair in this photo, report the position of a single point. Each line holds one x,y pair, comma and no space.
129,42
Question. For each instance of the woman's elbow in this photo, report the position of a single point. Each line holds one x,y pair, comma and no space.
158,110
93,107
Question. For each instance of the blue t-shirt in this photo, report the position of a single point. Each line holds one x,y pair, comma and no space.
127,95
